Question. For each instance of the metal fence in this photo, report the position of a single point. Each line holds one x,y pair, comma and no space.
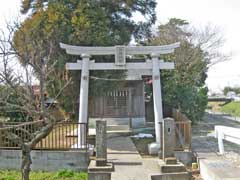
64,135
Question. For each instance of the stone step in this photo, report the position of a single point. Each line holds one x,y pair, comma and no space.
171,160
118,121
136,122
117,128
172,176
171,168
110,121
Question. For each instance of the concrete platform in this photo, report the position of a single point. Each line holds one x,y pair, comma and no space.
218,169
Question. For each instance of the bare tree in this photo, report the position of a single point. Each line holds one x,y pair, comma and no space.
210,39
17,81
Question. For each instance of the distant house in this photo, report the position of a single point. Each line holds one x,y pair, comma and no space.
231,94
48,100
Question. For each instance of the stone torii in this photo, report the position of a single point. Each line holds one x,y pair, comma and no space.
120,52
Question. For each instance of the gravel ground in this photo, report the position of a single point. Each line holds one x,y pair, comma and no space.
203,139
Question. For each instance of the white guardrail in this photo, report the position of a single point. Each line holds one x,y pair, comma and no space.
228,134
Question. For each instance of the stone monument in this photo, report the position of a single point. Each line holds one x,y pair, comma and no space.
101,143
168,138
100,169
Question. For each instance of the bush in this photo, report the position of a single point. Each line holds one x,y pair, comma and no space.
189,100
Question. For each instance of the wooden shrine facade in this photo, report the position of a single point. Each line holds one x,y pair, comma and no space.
124,102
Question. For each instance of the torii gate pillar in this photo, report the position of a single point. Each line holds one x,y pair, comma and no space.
157,97
83,99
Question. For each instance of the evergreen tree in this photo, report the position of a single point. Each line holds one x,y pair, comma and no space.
79,22
184,87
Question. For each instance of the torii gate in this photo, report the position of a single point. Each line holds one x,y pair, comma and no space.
120,53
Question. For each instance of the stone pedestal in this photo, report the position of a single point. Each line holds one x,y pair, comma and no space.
172,167
171,170
96,172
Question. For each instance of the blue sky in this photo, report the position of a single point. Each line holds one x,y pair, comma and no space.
221,13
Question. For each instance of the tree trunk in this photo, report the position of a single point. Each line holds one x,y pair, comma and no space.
26,161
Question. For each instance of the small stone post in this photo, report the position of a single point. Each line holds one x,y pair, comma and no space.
170,168
168,138
100,169
130,108
101,143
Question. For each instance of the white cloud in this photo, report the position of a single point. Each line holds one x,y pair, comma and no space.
222,13
9,11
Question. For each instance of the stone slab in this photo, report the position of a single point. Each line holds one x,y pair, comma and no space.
137,122
99,176
171,168
94,168
172,176
218,169
172,160
101,162
118,128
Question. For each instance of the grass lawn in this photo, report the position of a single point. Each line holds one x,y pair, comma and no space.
232,108
60,175
215,106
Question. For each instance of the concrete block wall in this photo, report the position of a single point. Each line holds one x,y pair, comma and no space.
46,160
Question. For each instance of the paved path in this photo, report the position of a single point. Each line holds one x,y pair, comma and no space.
129,165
